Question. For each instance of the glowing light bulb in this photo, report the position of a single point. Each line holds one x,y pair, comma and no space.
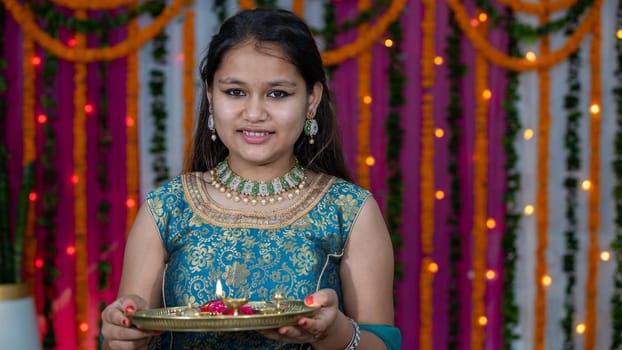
88,108
439,194
181,57
433,267
438,60
595,108
605,255
130,202
129,122
42,118
84,327
580,328
75,179
388,43
586,185
482,320
438,132
71,42
487,94
546,280
39,263
528,134
530,56
483,17
474,22
619,33
491,274
491,223
32,196
70,250
528,210
370,161
35,60
367,100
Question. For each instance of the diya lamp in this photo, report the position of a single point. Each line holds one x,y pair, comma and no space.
232,303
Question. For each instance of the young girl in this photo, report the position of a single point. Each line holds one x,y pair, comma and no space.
267,206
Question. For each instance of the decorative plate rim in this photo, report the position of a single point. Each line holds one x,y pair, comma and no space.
168,319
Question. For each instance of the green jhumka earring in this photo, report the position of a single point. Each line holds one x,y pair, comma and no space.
311,127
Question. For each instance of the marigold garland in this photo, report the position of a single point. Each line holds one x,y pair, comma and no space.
542,201
28,142
93,4
427,184
593,224
480,202
24,17
518,64
365,40
188,78
537,8
80,214
364,122
132,123
298,7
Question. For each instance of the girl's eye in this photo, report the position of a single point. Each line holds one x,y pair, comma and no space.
278,94
234,92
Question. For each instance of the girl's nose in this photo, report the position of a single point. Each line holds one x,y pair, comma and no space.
254,110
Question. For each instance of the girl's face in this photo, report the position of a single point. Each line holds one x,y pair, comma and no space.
260,103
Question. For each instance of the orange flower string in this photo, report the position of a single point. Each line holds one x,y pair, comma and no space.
25,18
364,124
591,295
518,64
537,8
480,202
542,222
365,40
132,124
246,4
426,187
28,140
92,4
80,214
188,78
298,7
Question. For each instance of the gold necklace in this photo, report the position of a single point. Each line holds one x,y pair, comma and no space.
252,192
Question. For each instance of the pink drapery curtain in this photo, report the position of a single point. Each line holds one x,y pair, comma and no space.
344,86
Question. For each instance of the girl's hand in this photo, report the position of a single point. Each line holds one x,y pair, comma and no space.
316,328
117,329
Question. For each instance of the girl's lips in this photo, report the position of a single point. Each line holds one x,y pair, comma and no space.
255,136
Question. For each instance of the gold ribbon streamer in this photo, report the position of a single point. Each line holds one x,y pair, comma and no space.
188,78
480,202
364,124
427,175
298,7
80,214
131,148
25,18
518,64
591,295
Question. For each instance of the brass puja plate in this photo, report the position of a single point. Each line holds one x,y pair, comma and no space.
183,319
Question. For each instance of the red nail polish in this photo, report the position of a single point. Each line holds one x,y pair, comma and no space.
304,323
124,321
129,309
309,300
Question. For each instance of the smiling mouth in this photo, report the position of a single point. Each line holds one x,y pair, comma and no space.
255,133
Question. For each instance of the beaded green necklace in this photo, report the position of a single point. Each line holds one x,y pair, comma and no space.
252,192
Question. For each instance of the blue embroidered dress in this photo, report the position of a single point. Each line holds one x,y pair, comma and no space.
295,250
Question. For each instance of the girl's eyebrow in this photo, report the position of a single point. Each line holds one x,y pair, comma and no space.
235,81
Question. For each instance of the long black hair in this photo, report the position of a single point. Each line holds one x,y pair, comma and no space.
291,34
